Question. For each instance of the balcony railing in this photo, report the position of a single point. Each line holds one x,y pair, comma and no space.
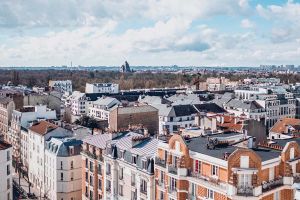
266,186
172,169
160,162
245,191
172,191
89,154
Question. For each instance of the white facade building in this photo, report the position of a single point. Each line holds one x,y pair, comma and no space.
21,120
63,169
100,108
6,192
38,134
111,88
61,85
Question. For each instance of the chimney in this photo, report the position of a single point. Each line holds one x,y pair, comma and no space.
146,132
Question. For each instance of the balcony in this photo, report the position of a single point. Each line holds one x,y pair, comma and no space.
208,181
89,154
172,169
160,162
172,191
266,186
245,191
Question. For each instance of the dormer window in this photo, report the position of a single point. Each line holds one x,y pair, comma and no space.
144,164
214,170
133,159
122,154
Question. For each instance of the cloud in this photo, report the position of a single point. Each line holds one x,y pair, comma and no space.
246,23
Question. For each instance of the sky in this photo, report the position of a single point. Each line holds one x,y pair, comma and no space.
149,32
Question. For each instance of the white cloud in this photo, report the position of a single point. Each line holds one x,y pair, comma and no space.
246,23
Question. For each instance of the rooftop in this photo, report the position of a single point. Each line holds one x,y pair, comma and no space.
4,145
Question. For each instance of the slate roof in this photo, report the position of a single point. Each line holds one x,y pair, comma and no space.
184,110
210,107
249,105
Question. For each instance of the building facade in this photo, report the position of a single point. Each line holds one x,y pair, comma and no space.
6,191
199,168
63,169
61,85
116,167
7,106
111,88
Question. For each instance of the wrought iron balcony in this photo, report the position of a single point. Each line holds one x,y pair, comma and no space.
160,162
172,169
266,186
245,191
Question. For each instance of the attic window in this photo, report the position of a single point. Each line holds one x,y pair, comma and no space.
122,154
144,164
71,150
133,159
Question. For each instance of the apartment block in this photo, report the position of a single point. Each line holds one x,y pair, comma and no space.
225,166
63,169
118,166
21,119
61,85
110,88
7,106
6,191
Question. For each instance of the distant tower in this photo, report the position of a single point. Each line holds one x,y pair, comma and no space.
125,67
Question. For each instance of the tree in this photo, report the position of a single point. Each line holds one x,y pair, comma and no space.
88,122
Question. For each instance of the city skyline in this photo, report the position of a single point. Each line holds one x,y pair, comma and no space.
200,33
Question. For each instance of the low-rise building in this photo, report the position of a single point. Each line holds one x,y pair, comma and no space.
285,128
110,88
6,189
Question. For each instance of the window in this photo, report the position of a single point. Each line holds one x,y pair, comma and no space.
61,165
122,154
162,177
72,176
100,184
134,159
133,195
161,195
143,186
8,183
210,194
107,168
86,176
86,163
72,164
91,180
99,169
193,189
292,153
121,190
133,179
214,170
61,176
8,170
8,156
144,164
277,195
244,162
173,184
197,166
244,180
120,173
91,166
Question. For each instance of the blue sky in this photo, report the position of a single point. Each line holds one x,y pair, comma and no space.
149,32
